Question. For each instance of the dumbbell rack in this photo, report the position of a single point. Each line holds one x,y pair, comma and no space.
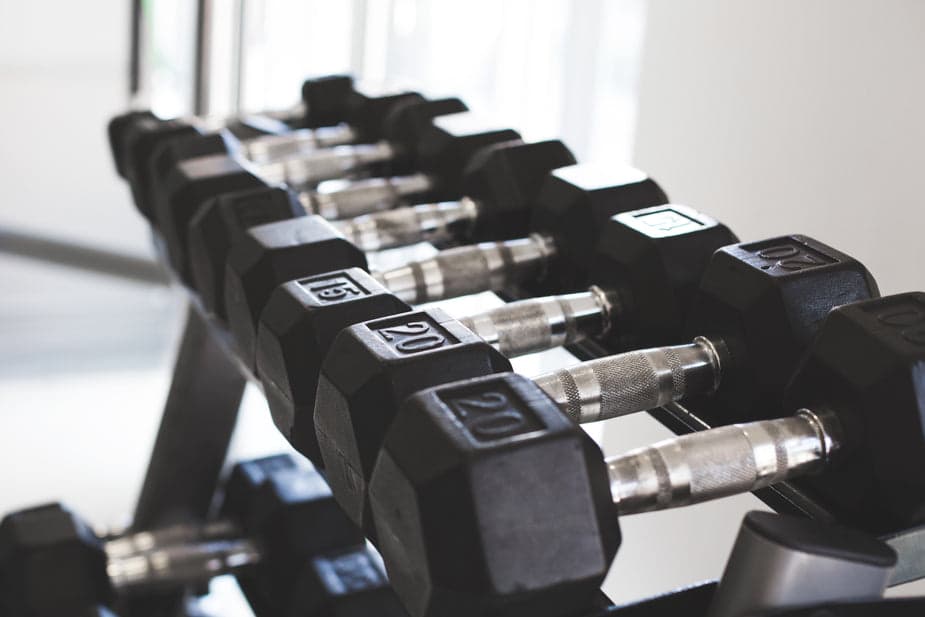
201,413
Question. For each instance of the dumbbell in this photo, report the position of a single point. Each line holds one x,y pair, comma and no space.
501,180
399,120
371,367
570,209
487,480
438,144
345,583
331,104
286,514
490,200
646,271
134,136
182,172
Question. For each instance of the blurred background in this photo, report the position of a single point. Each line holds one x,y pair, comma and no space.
773,117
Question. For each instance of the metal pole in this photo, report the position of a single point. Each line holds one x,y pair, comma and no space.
238,42
195,431
202,74
82,257
134,79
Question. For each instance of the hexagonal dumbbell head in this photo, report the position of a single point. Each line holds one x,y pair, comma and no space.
368,113
290,512
504,180
272,254
488,500
573,205
297,327
651,260
369,370
189,185
139,143
448,144
170,153
867,365
223,221
766,300
117,129
404,125
347,583
51,564
325,100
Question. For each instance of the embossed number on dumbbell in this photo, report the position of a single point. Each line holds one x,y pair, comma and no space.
907,317
790,258
413,337
668,220
333,289
492,415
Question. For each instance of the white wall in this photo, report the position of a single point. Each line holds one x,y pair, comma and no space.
781,117
793,116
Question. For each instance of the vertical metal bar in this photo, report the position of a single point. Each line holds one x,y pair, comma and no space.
238,50
134,75
202,73
195,431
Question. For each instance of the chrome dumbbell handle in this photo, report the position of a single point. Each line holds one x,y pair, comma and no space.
720,462
267,148
361,197
635,381
436,223
181,564
324,164
537,324
489,266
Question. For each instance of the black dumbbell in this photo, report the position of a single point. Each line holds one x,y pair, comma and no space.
571,208
286,514
858,424
646,271
493,459
345,583
456,212
573,201
434,144
134,136
501,180
325,103
363,378
327,158
756,311
182,172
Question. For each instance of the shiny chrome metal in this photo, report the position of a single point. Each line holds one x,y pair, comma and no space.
325,164
435,223
156,539
537,324
268,148
723,461
631,382
366,196
181,564
489,266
